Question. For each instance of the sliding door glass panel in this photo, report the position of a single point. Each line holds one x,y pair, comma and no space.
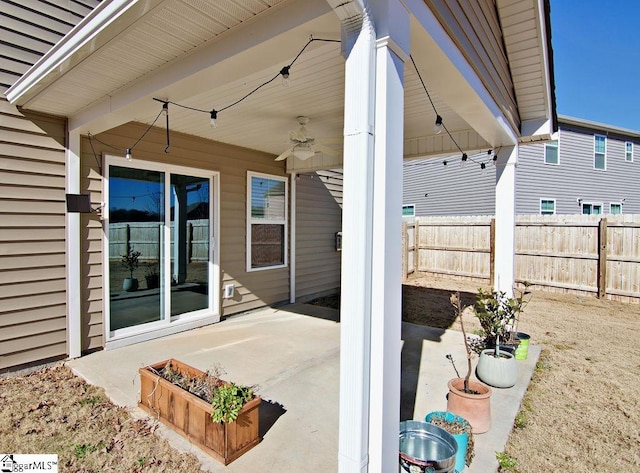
189,229
136,222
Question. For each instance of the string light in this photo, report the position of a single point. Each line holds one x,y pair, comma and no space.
127,155
284,72
463,161
214,117
437,127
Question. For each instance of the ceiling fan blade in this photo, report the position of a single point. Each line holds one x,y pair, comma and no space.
325,149
285,154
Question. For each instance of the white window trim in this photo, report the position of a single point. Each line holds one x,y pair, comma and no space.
557,153
547,200
626,143
409,205
615,203
594,152
285,221
592,204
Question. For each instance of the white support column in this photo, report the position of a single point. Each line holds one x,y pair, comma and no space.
357,228
386,307
505,219
74,313
292,245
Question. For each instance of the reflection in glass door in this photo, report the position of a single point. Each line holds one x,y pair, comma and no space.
189,229
136,222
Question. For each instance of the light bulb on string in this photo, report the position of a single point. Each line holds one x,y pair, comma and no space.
214,116
483,168
444,162
463,161
284,72
165,108
127,155
437,127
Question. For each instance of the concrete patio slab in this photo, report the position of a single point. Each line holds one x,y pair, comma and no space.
292,354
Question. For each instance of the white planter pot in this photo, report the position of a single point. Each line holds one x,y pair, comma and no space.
499,372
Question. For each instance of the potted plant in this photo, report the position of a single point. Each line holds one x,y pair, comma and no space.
220,417
468,398
151,276
462,432
498,316
130,261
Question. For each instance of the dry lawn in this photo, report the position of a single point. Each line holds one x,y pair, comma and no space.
53,411
582,410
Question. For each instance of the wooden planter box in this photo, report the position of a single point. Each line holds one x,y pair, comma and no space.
190,416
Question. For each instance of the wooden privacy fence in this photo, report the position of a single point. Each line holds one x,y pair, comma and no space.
145,237
587,254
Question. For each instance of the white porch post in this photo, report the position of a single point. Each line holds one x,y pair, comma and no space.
505,219
392,21
357,228
74,313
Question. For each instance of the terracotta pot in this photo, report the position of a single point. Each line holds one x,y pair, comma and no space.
475,408
500,371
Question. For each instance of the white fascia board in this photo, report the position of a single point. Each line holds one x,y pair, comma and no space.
464,92
182,78
100,26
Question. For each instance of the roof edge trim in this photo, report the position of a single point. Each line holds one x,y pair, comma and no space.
57,61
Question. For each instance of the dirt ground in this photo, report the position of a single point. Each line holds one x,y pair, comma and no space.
581,412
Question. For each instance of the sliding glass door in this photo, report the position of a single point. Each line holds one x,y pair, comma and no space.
159,252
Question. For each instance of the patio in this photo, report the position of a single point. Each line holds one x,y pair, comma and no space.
292,354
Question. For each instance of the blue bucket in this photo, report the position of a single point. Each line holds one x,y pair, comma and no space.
461,439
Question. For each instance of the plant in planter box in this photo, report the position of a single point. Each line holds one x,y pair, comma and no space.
218,416
467,398
462,432
131,262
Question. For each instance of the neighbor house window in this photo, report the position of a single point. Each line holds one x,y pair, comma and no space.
600,152
628,151
591,209
615,208
409,210
266,221
551,152
547,206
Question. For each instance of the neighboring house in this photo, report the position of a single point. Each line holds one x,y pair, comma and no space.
120,110
588,168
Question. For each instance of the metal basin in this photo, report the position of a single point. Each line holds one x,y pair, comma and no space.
426,448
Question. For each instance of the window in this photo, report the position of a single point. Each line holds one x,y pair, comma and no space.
615,208
591,209
628,151
547,206
551,152
267,198
600,152
409,210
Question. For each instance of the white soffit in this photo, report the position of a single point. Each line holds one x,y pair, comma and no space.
525,39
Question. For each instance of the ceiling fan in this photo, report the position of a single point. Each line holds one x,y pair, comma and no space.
304,144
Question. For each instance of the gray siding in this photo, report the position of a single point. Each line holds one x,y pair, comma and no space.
475,29
451,189
32,191
318,218
575,178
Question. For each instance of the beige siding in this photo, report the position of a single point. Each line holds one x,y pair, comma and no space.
32,237
253,289
475,28
318,218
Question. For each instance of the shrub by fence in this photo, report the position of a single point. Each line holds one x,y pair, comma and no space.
586,254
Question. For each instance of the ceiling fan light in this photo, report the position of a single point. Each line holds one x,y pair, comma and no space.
303,152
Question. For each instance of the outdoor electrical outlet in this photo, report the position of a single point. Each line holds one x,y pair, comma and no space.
229,289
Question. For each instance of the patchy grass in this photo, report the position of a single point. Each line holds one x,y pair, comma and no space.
53,411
